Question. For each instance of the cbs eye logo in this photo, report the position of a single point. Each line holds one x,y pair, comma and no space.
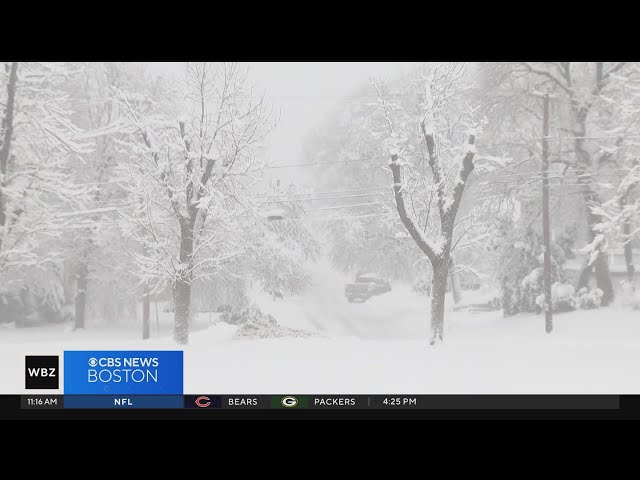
289,401
93,362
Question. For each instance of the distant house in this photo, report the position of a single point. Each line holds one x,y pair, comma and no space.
468,280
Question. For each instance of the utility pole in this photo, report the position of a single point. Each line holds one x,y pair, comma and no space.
546,230
146,302
146,311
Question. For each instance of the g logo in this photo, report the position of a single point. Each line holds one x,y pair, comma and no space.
289,402
93,362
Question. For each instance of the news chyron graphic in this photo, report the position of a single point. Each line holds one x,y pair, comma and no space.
123,372
41,372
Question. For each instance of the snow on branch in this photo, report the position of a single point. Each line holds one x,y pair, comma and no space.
196,159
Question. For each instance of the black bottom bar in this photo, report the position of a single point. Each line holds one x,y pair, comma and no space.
338,407
325,402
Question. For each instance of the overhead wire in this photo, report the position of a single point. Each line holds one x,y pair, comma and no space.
506,179
311,164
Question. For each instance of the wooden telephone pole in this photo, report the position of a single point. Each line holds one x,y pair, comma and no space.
546,229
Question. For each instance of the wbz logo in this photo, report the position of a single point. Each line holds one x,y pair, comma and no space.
41,372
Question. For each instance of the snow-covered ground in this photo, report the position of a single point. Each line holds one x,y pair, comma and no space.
376,347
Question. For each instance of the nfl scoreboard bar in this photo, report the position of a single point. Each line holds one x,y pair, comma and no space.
129,379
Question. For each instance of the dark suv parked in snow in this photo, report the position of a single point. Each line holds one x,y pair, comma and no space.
366,286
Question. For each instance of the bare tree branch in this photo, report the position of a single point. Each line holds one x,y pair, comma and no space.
549,75
408,222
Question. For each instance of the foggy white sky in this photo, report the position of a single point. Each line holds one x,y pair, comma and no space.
303,92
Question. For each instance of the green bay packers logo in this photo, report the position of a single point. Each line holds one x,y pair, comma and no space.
289,401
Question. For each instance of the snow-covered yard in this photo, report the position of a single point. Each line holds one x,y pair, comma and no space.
376,347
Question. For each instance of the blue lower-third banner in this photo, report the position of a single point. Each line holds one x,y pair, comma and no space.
123,372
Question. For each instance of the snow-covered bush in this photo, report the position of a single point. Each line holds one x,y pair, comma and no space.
563,298
530,290
520,272
37,298
255,324
589,299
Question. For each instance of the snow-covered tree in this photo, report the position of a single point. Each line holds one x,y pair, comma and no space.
195,161
367,235
450,153
38,143
620,218
280,250
372,235
91,259
372,244
585,93
620,210
364,235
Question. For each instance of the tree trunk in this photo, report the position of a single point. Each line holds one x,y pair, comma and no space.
183,285
5,146
81,294
155,301
146,304
182,310
591,198
628,251
454,278
438,295
626,232
603,279
439,259
583,279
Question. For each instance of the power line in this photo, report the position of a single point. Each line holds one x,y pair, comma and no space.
382,214
510,185
327,198
344,206
503,179
86,212
296,194
345,162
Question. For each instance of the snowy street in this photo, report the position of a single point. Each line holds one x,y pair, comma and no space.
325,308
